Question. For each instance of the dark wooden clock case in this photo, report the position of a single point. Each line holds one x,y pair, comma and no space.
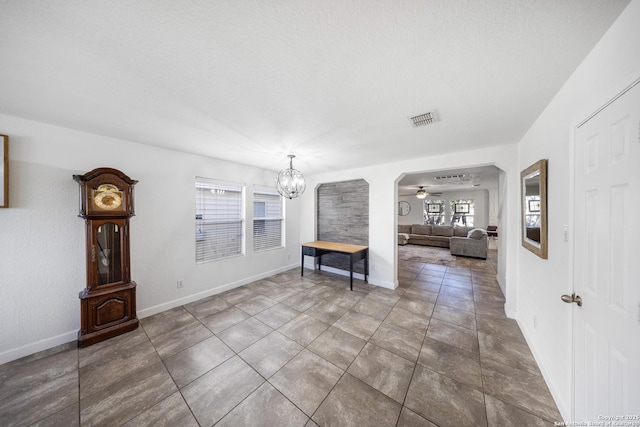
108,303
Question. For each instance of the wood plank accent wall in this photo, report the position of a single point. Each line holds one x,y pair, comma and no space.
343,216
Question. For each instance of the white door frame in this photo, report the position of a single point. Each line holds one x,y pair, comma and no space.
589,113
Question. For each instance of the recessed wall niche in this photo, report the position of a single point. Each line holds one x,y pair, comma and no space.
343,217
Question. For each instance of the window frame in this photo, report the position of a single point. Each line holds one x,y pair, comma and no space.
216,214
265,220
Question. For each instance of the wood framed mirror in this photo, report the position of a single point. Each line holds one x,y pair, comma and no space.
533,187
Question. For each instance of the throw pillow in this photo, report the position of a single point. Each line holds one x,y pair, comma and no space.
476,233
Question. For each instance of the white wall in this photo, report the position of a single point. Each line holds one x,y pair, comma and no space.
42,259
383,215
481,206
612,64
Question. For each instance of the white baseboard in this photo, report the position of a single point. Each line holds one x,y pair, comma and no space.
150,311
47,343
564,411
35,347
360,276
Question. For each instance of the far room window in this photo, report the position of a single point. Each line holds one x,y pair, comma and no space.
462,213
219,219
268,219
434,212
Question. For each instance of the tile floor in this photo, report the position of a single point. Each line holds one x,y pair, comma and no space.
302,352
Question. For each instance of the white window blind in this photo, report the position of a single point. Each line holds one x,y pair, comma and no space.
268,219
219,219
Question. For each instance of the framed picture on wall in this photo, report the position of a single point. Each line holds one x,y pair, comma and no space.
434,207
462,208
4,171
534,205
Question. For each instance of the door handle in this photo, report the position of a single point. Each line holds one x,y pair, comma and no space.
572,298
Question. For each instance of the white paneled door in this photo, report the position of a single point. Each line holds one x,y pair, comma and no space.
607,263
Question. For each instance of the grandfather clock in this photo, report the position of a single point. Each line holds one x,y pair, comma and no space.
108,303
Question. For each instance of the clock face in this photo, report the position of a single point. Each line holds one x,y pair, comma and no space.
404,208
107,197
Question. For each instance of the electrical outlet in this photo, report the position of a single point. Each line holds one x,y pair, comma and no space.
565,230
180,283
535,322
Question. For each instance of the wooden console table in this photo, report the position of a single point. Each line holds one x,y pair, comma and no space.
318,248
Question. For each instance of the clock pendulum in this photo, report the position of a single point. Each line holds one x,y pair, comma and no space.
108,302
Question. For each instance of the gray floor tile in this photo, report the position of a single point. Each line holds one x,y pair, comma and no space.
384,371
454,335
501,328
457,292
67,417
444,401
114,347
398,341
352,403
277,315
265,407
337,346
197,360
214,394
270,353
455,302
103,372
500,413
420,294
41,400
301,301
172,411
357,324
455,316
306,380
451,361
303,329
256,304
419,307
408,320
372,308
326,312
237,295
408,418
245,333
206,307
345,299
224,319
180,331
128,398
519,388
507,352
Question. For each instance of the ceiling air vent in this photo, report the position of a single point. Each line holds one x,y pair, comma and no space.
445,177
423,119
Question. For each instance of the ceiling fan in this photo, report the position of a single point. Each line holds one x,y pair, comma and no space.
422,193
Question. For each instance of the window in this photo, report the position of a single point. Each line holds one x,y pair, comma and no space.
219,219
434,212
462,213
268,219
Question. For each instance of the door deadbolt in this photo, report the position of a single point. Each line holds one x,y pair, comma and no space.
572,298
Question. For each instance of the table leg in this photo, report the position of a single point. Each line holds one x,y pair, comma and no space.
302,263
366,265
351,271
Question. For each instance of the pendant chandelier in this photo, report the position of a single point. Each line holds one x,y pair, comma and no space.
290,181
421,194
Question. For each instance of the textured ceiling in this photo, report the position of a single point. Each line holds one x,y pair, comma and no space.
331,81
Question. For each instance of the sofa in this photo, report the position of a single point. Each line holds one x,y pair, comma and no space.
466,241
474,245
